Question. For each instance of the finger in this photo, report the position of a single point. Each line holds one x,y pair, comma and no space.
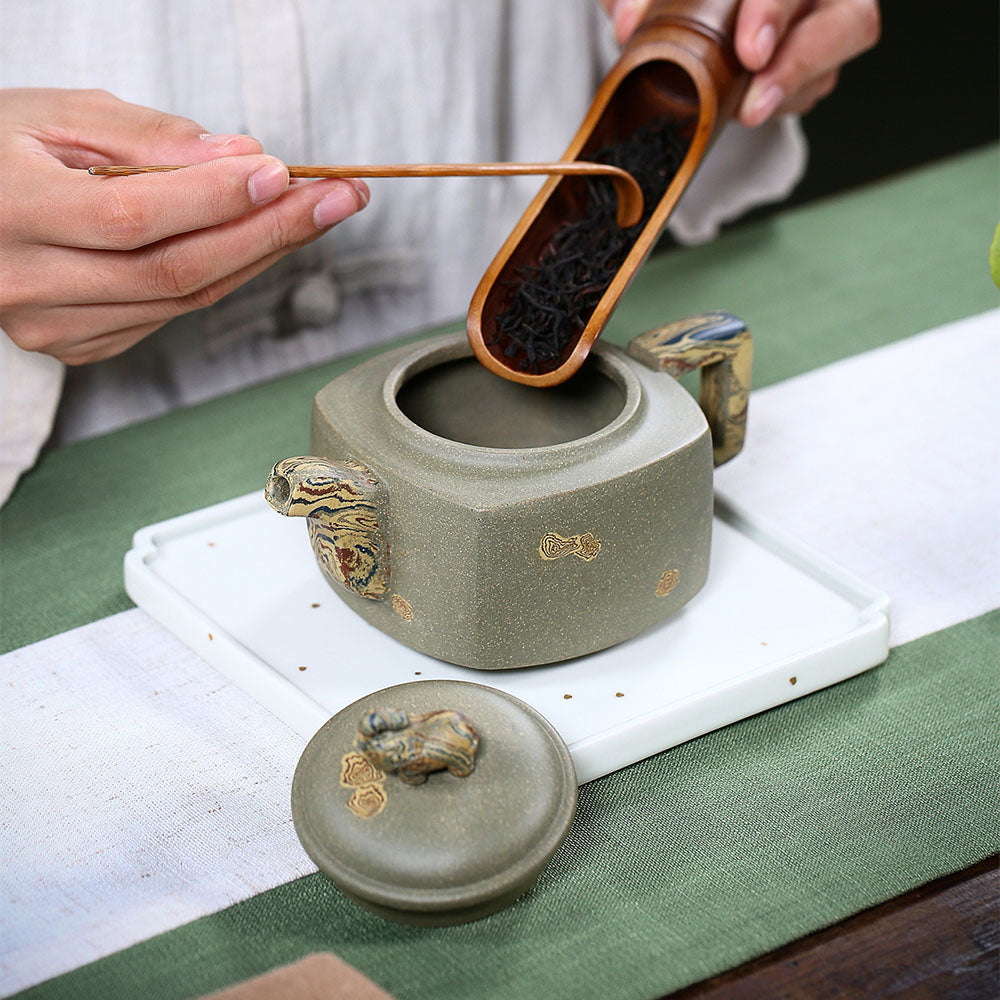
808,97
84,334
76,209
759,25
105,346
183,265
829,35
626,15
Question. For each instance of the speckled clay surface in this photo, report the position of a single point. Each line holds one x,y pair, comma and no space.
503,556
449,850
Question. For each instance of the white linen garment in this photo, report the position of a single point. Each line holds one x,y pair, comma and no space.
328,81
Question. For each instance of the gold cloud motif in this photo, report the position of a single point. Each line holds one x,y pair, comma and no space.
357,770
368,781
367,801
553,546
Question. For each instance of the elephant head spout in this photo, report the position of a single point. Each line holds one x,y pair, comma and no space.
346,510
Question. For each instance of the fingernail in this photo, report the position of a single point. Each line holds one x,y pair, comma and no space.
267,182
764,106
342,201
766,39
220,140
364,195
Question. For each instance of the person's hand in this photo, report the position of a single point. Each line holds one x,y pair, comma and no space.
91,265
793,48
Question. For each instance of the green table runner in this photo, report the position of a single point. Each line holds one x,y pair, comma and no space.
691,861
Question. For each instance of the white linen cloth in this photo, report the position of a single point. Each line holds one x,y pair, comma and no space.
142,790
888,463
328,81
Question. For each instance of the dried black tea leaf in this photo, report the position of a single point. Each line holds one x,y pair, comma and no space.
551,300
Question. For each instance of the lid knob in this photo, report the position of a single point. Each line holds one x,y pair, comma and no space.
412,746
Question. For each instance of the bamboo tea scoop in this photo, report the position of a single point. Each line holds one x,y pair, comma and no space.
627,190
544,299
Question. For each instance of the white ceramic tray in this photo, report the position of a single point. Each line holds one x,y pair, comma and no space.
775,621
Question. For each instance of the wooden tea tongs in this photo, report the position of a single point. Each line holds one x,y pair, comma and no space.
628,192
679,71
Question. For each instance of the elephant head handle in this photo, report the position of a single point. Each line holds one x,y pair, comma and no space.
347,513
720,345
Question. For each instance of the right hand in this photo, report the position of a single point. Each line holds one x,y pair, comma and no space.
793,49
91,265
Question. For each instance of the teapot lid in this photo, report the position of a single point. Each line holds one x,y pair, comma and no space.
443,842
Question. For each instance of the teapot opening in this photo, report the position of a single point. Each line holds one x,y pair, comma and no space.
461,401
278,491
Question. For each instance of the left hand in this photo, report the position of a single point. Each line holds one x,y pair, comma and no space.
793,48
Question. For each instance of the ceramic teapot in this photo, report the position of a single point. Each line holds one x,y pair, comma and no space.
494,525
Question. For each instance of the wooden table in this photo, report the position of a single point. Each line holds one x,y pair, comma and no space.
934,941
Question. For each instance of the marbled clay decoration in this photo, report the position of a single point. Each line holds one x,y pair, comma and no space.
412,746
721,346
345,517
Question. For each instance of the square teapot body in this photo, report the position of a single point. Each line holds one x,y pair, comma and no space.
492,556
